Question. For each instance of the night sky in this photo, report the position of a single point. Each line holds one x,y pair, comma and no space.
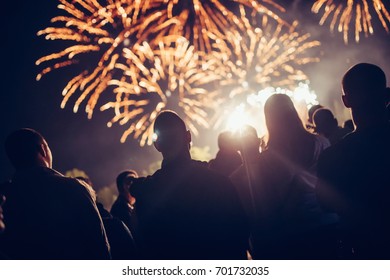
77,142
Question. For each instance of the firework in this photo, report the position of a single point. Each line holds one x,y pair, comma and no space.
90,28
269,56
205,22
344,13
168,77
112,40
264,58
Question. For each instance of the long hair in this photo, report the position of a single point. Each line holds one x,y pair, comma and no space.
286,132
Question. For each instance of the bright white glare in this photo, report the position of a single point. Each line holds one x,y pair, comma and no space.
259,99
238,118
302,93
252,112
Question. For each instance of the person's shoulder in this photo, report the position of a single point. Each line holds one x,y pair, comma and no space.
321,141
343,131
68,185
332,156
119,205
142,185
55,178
201,171
269,158
200,164
202,167
69,181
211,162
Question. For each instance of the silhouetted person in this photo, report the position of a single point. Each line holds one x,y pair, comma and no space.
248,143
348,125
124,206
185,210
48,216
121,240
227,159
289,222
119,236
310,113
326,125
354,174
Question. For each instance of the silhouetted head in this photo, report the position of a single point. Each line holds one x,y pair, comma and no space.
286,133
364,91
27,148
311,112
172,137
348,124
227,141
324,121
281,117
249,141
125,179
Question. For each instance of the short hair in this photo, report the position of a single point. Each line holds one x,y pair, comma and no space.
22,146
169,119
248,131
363,78
311,112
120,179
323,118
225,140
349,124
247,137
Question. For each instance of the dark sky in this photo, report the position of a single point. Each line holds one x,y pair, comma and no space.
89,145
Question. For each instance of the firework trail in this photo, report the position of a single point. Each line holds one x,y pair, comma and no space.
269,55
168,77
344,13
265,57
205,22
90,28
105,37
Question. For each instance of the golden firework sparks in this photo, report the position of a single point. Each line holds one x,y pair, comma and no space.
105,37
271,56
89,27
168,77
204,22
344,13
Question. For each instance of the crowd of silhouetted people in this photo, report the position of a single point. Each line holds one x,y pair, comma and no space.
311,189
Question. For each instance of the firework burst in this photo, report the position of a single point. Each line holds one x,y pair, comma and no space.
270,56
168,77
205,22
344,13
251,111
265,57
88,27
113,40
